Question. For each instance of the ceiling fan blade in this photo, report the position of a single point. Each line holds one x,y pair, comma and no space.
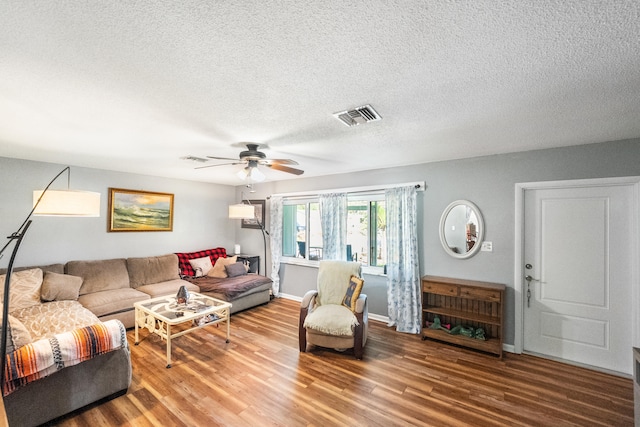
220,164
283,161
287,169
220,158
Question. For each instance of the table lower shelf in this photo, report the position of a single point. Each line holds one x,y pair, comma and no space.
490,345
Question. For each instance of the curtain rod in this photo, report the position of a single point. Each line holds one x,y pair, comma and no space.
419,185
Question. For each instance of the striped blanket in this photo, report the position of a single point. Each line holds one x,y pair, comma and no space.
44,357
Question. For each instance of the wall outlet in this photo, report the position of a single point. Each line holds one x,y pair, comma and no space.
487,247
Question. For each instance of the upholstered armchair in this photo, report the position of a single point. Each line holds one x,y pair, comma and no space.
324,320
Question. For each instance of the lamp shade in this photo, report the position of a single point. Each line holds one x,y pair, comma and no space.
67,203
241,211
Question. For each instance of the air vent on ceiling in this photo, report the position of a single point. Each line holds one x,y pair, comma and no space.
358,115
194,159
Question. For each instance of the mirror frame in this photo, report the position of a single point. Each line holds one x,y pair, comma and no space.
480,231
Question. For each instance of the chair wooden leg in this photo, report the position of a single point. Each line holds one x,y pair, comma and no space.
358,335
302,332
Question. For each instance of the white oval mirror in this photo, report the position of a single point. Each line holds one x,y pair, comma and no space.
461,229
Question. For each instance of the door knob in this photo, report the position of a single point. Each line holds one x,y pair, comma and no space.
529,278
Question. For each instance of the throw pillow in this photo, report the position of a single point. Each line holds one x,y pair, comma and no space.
218,270
353,292
201,266
59,287
17,334
236,269
25,288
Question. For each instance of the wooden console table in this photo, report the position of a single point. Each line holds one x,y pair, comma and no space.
464,302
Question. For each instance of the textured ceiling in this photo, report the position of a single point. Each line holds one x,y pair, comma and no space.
133,86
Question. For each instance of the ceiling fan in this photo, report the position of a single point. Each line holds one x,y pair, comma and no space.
252,158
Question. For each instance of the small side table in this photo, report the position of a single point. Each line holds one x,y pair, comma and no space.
254,262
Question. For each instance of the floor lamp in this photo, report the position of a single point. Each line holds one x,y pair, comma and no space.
68,203
248,211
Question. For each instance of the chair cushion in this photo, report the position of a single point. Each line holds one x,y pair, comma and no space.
353,292
332,319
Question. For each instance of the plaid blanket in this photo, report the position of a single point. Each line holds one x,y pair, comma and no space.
44,357
185,266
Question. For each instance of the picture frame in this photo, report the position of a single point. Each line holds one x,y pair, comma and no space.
134,210
259,206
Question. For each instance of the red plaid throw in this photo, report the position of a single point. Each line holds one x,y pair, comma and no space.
184,257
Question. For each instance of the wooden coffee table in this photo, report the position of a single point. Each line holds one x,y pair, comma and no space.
159,314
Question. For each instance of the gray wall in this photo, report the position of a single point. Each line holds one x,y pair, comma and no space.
489,182
200,215
201,211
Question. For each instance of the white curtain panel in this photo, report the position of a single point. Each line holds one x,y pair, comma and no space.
275,213
333,219
403,271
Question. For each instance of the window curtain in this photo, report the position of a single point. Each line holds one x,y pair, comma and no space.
333,220
403,272
275,224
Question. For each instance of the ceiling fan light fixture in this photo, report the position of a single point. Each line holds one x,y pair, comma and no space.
251,174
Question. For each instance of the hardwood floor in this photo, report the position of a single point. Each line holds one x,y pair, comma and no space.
260,378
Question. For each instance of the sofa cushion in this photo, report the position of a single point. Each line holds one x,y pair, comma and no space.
25,288
100,275
58,287
235,269
50,318
184,257
201,266
153,269
169,287
54,268
17,334
219,271
112,301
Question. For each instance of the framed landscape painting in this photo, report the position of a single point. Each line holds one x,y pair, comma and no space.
132,210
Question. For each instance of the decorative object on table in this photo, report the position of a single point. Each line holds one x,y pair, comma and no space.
133,210
47,202
182,297
205,319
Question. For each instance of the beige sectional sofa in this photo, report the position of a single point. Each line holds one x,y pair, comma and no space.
96,294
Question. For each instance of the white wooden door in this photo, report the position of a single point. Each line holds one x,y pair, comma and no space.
577,252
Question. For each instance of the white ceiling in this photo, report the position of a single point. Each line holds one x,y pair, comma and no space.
133,86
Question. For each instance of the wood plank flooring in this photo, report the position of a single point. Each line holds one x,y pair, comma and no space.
261,379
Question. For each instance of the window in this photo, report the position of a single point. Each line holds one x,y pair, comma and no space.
301,224
366,230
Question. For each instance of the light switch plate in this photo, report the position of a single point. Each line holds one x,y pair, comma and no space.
487,247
